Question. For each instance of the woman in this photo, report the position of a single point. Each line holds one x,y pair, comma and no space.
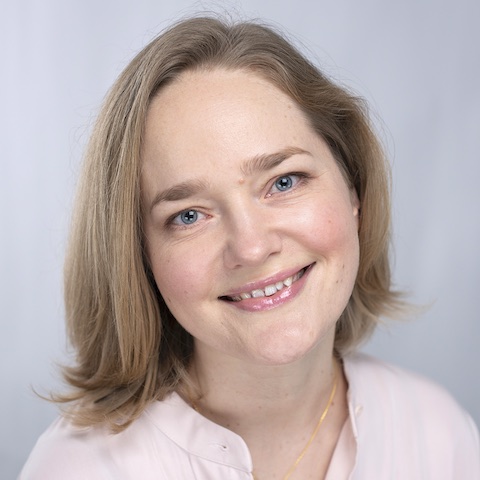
229,252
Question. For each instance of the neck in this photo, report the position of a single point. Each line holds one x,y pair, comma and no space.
242,395
275,408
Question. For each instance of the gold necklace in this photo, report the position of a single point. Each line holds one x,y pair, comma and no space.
314,434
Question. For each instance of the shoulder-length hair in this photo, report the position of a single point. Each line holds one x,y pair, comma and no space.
129,348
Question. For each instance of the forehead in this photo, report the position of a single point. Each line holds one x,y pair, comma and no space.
207,119
199,88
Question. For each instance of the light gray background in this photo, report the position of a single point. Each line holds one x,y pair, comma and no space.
418,63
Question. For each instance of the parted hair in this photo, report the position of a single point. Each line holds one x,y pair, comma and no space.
129,349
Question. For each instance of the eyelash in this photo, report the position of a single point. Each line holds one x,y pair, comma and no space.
301,179
171,220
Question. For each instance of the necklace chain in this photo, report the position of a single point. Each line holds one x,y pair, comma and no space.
314,434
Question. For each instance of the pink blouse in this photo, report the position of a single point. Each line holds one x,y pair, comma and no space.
400,426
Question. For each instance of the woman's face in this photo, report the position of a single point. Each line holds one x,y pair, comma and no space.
251,229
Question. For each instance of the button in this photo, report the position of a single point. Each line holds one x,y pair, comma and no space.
221,446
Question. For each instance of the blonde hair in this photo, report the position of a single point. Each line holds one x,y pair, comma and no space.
129,348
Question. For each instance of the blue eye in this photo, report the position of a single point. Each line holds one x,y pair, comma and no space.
284,183
188,217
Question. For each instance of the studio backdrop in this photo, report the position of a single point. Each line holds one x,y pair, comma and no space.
417,62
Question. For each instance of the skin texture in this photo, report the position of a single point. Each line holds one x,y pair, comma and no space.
239,192
203,128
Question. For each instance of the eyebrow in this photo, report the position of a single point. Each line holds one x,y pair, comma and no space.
179,192
262,163
257,164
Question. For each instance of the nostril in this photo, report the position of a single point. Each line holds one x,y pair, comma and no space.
251,248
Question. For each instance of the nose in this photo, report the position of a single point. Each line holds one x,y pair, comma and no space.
252,236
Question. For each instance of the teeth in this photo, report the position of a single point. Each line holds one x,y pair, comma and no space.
269,290
258,293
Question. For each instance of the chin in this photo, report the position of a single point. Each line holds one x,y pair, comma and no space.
287,348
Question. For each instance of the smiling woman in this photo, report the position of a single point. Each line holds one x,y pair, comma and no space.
229,252
279,211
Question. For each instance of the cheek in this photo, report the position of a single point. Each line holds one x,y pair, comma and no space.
179,274
330,230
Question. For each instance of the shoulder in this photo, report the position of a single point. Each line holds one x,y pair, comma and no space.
66,452
411,414
63,452
379,381
170,440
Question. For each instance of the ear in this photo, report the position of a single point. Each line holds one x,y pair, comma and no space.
355,205
355,202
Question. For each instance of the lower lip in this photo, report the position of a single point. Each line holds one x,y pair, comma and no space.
267,303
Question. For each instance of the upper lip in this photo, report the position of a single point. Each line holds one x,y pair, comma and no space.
278,277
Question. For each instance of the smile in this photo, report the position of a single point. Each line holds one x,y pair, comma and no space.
269,290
